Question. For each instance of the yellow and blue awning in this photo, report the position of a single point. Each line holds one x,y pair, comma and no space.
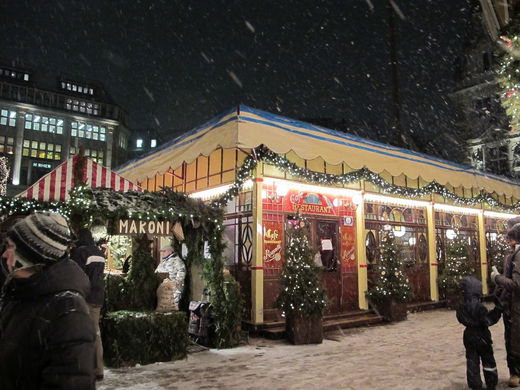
247,128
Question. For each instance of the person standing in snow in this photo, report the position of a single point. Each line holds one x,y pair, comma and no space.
46,338
477,337
508,293
92,261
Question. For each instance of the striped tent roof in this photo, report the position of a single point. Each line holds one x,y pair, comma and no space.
246,128
55,185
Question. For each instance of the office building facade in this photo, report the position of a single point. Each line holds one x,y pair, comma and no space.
45,119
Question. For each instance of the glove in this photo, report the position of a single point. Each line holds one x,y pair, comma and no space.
494,273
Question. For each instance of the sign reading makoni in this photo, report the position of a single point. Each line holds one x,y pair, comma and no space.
133,226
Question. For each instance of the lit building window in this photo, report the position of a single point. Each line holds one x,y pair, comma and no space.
7,117
14,74
75,87
43,150
43,123
82,106
85,130
6,144
153,143
139,143
96,155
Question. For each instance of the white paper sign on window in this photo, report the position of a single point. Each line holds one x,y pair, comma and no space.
326,245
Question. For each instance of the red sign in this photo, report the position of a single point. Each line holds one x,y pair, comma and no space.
308,203
273,252
348,248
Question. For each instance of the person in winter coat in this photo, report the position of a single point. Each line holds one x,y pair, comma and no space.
46,338
175,268
477,337
91,260
508,293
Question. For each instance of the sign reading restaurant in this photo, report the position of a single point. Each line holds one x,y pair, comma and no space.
133,226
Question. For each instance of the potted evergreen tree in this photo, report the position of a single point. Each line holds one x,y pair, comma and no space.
301,298
456,266
391,288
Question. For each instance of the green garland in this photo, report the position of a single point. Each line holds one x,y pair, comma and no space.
109,204
508,69
283,164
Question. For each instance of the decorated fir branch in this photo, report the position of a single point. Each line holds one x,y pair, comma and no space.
391,282
456,266
90,200
301,293
497,250
508,68
283,164
4,174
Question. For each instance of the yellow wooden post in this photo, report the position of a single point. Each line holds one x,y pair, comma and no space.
257,265
432,253
361,254
483,253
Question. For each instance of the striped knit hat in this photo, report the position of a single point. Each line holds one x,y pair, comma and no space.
40,238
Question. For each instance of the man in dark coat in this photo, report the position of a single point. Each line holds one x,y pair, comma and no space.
477,337
508,293
91,259
46,338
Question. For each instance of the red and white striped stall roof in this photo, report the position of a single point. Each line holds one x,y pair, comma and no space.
55,185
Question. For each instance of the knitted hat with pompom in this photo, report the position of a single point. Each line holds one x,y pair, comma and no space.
40,238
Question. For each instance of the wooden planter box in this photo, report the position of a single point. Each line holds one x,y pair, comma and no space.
392,311
302,330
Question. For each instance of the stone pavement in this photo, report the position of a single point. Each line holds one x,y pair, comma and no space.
424,353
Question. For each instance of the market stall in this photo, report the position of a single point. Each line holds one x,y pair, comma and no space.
263,168
56,185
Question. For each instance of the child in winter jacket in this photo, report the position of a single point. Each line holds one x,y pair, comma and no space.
477,337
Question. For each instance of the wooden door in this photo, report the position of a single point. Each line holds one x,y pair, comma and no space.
326,242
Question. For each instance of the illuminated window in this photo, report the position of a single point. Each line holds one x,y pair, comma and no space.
75,87
14,74
153,143
82,106
44,123
7,117
85,130
6,144
43,150
139,143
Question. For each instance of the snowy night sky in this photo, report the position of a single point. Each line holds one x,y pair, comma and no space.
172,64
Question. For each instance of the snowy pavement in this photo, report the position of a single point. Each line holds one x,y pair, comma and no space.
424,353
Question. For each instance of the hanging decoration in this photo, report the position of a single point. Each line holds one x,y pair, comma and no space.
283,164
4,174
152,205
508,69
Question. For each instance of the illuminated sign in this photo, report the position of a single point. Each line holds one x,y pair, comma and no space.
132,226
41,165
308,203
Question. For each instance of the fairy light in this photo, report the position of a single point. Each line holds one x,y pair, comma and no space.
456,209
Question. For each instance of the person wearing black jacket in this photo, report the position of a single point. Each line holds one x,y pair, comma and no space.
477,337
46,338
90,258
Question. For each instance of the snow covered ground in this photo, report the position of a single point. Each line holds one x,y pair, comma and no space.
424,353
